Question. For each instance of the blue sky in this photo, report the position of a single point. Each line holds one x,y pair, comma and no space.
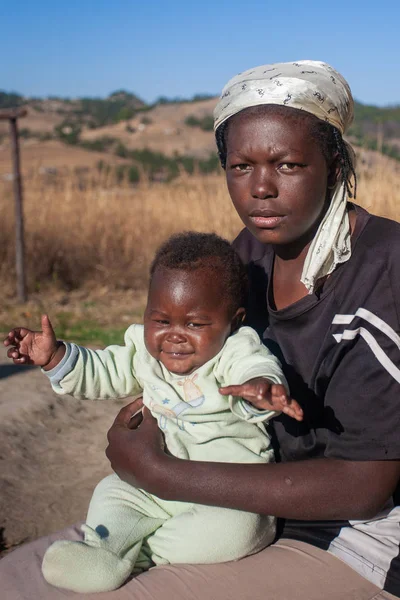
180,48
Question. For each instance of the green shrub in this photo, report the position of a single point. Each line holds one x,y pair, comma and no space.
121,150
68,132
10,100
205,123
188,163
25,133
210,165
192,121
101,144
124,114
133,174
45,137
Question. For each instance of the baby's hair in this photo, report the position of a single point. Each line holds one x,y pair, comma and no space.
326,135
191,250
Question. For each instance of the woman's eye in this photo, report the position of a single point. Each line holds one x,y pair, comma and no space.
240,167
289,166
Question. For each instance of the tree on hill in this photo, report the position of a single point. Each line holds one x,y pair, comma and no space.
127,97
10,99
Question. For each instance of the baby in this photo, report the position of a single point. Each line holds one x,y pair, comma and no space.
187,359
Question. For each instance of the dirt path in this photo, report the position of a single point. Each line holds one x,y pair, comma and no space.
51,454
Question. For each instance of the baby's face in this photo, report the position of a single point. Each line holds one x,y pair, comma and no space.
187,318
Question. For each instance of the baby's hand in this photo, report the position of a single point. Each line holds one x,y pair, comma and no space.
265,395
35,347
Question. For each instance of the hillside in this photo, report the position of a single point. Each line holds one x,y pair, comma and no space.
161,140
164,128
377,128
89,112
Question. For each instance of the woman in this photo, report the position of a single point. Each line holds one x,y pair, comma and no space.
325,291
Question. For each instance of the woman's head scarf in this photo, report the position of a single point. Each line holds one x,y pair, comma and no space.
316,88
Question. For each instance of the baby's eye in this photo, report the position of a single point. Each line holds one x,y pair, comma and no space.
194,325
162,321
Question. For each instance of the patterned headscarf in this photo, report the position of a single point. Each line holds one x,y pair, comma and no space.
316,88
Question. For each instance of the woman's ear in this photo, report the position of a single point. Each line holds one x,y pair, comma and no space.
334,172
238,319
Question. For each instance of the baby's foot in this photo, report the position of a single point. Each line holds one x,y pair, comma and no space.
80,567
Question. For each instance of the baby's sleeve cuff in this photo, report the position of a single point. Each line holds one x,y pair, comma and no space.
65,365
245,411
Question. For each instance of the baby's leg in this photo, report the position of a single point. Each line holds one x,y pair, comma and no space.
206,534
119,517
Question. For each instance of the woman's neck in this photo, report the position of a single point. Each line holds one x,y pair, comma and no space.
288,267
287,287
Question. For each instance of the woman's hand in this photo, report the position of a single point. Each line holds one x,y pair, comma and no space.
39,348
136,447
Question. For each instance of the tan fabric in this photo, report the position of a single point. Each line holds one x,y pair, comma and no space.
287,570
317,88
309,85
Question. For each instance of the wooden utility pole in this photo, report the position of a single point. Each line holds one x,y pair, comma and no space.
12,115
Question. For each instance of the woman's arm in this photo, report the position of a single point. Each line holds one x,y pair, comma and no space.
315,489
318,489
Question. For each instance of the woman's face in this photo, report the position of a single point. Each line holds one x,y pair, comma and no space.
277,175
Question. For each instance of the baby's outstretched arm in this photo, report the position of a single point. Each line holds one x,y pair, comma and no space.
265,395
40,348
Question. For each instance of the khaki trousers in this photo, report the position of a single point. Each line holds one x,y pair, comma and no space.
287,570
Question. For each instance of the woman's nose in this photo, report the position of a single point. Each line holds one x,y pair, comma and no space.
263,184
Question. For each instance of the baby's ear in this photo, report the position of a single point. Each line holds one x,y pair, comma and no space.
237,319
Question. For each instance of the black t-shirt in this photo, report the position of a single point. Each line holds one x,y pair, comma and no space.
340,352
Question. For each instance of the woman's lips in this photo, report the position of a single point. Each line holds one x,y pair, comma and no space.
265,218
266,221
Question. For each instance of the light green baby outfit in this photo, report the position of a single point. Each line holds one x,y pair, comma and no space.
128,529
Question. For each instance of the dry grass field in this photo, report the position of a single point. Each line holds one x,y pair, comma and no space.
84,229
50,156
90,240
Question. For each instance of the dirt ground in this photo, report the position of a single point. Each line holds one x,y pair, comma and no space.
51,454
